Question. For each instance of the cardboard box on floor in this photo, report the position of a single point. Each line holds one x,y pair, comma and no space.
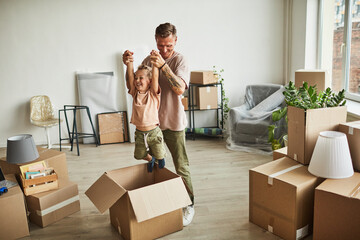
282,198
13,218
320,78
304,128
352,131
203,77
53,158
336,210
49,207
279,153
142,205
207,97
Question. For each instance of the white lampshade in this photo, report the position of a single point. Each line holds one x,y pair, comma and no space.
21,149
331,157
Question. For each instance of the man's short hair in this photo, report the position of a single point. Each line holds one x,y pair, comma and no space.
147,69
164,30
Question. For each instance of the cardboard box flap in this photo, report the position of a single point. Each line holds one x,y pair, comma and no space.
104,192
348,187
157,199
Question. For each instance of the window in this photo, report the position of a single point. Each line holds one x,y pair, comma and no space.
346,47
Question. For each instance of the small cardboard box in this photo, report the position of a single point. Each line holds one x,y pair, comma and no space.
282,198
40,184
142,205
113,127
185,103
304,128
207,97
52,158
336,210
352,131
279,153
203,77
49,207
13,216
320,78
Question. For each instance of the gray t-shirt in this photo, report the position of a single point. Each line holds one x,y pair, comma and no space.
171,113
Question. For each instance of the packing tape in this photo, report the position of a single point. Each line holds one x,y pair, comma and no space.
355,191
271,176
57,206
351,130
271,225
208,107
295,156
208,89
302,232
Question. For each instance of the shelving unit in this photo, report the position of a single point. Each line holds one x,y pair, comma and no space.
192,108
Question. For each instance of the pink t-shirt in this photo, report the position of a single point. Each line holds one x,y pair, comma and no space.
171,113
145,108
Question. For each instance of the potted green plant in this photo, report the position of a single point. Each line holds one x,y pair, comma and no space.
225,100
306,97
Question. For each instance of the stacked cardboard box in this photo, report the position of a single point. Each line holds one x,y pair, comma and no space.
13,218
207,97
304,128
50,206
203,77
282,197
320,78
352,131
142,205
279,153
336,210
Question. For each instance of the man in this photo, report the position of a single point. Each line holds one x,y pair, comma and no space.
173,80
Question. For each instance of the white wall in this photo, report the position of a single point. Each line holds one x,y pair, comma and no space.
43,43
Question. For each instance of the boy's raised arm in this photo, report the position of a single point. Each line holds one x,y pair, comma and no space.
130,76
155,79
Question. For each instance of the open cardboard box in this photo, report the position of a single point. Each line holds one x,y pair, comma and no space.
337,207
304,128
142,205
281,198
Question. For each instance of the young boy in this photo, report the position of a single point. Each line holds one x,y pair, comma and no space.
144,87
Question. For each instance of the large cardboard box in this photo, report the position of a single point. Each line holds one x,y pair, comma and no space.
282,198
352,131
52,158
320,78
13,219
113,127
304,128
279,153
207,97
142,205
49,207
203,77
337,208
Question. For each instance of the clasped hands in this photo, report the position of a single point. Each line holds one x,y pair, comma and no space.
155,58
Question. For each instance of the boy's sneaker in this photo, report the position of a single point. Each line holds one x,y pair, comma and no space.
188,215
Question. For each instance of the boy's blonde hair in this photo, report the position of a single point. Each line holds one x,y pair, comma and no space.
147,69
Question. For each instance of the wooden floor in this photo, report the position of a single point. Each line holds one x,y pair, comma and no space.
220,178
